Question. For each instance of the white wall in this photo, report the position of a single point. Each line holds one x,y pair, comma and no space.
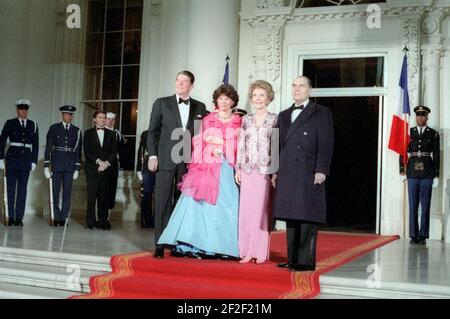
27,72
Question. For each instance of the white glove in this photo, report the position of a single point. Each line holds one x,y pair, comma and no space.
33,167
319,178
435,182
403,178
2,164
47,173
75,175
139,175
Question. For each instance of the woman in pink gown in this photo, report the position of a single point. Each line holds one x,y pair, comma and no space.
253,169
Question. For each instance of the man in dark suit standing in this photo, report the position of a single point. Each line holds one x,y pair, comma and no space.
100,150
20,159
422,172
306,147
176,112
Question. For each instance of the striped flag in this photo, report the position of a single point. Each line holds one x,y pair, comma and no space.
226,76
399,139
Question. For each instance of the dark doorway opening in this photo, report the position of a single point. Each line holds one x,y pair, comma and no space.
352,184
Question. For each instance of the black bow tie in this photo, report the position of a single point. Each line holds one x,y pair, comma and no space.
183,101
295,107
100,128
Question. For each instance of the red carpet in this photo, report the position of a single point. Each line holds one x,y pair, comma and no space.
142,276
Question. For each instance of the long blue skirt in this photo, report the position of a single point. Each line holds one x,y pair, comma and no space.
200,227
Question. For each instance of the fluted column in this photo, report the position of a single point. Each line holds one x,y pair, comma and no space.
445,142
431,98
213,33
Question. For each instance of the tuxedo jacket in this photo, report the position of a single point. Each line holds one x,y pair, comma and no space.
93,150
164,120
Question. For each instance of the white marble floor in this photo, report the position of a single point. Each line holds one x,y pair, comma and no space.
396,270
125,237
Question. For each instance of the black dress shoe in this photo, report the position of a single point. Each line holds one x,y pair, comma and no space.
178,254
206,256
18,222
414,240
285,265
90,227
159,253
303,268
11,222
422,241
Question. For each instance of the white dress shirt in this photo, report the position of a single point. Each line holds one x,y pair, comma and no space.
24,122
66,125
101,136
296,113
184,112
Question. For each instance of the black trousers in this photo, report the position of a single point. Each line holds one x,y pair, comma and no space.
166,197
113,175
301,242
97,188
147,216
64,180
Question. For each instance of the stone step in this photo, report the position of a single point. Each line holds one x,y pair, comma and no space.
68,279
55,259
13,291
333,285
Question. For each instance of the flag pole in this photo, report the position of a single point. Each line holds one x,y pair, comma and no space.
405,160
404,184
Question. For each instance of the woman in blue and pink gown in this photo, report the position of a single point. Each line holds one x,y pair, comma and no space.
253,168
204,223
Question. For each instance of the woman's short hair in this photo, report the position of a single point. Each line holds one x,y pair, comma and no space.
261,84
228,91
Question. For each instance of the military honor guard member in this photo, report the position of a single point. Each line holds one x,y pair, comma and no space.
100,150
115,165
422,173
21,158
62,162
147,180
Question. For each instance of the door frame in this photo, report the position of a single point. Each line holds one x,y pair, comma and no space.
381,92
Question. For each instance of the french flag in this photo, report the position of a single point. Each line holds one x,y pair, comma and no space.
399,139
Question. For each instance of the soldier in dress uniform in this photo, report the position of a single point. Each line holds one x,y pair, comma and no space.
422,172
62,161
115,165
20,159
147,180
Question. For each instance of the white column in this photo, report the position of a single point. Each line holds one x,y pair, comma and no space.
431,98
213,33
445,142
149,78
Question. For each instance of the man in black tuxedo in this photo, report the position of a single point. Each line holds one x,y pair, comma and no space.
306,148
100,149
176,112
